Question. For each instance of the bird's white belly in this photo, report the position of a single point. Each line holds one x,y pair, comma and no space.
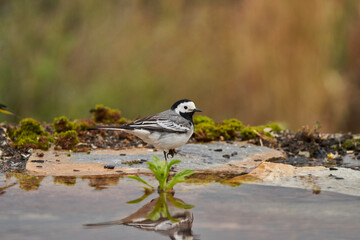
163,140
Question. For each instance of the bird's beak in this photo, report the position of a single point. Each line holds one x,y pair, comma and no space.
197,110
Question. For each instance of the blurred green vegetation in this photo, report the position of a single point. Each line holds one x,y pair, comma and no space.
291,61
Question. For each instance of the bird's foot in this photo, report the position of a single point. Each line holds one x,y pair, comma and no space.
171,152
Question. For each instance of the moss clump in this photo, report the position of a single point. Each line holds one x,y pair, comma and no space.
248,132
229,129
123,121
207,130
351,144
62,124
82,125
67,140
105,114
31,134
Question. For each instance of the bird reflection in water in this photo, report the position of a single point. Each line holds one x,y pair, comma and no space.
165,215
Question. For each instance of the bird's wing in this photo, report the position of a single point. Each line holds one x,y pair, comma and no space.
172,126
156,123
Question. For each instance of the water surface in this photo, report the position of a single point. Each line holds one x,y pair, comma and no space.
60,208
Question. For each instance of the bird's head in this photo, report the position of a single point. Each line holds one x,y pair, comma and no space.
185,108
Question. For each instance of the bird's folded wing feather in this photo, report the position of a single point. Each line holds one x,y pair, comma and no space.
158,124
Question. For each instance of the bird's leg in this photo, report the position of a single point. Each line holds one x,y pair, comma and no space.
171,153
165,155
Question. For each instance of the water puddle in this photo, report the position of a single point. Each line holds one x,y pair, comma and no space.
114,207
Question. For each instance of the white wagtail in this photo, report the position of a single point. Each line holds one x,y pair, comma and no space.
166,130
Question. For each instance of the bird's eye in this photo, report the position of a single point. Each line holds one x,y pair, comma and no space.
185,107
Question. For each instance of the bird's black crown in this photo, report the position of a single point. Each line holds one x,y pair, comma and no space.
174,106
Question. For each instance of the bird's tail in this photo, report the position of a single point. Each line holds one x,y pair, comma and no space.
112,128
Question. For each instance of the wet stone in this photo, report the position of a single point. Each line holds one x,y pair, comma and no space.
237,157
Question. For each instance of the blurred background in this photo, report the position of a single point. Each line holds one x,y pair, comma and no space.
295,62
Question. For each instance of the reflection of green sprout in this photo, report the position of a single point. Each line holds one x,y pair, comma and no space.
161,209
161,171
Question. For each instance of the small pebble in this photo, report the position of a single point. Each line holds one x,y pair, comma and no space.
339,178
109,166
40,154
38,161
226,156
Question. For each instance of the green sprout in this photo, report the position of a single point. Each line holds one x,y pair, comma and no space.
161,171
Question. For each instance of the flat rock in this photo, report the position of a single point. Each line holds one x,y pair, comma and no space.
233,158
317,179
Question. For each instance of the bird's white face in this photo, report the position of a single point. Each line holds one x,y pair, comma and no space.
186,107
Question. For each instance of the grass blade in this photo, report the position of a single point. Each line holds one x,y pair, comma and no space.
140,180
179,177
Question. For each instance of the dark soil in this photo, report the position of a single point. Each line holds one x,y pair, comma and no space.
312,148
10,157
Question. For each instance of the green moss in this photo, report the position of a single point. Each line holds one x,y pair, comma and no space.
123,121
229,129
207,130
274,126
248,132
203,119
105,114
351,144
67,140
31,134
62,124
81,126
29,126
